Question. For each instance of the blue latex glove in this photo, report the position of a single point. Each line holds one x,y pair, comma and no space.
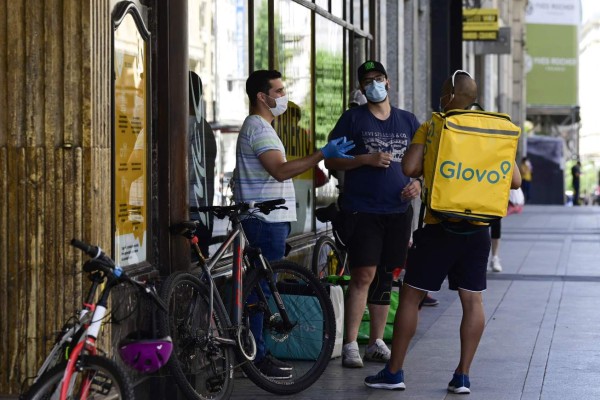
337,148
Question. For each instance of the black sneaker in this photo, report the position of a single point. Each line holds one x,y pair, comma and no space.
282,365
270,370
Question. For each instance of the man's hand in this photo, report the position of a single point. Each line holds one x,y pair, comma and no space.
337,148
411,191
380,160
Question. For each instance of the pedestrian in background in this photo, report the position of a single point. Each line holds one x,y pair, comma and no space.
526,176
575,175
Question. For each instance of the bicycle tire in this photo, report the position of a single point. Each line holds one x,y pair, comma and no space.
203,370
326,258
300,291
109,381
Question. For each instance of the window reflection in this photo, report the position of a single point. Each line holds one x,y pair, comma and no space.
337,8
329,88
292,59
261,34
218,55
329,77
324,4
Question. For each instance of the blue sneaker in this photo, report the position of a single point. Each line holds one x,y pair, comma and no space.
460,384
386,380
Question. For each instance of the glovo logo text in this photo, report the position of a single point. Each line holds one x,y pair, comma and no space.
451,170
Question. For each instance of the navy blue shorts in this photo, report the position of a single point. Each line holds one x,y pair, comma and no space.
438,253
496,229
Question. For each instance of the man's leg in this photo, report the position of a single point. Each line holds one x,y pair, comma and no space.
378,319
405,324
378,301
360,279
356,300
270,238
471,328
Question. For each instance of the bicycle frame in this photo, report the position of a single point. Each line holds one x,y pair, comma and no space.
210,339
243,254
76,331
89,344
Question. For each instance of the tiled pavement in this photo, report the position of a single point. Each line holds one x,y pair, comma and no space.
542,337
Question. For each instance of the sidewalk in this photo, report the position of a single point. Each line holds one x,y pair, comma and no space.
542,337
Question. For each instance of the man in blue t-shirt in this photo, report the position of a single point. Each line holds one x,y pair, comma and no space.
377,198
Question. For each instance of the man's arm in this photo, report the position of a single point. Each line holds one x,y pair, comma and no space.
516,177
412,162
381,160
274,163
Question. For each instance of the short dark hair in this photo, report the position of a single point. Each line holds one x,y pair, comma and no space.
258,81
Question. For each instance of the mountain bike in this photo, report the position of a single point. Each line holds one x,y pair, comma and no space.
209,343
74,369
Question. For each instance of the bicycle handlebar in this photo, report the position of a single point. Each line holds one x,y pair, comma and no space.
221,212
92,251
100,260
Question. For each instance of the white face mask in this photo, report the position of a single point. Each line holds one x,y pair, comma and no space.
280,105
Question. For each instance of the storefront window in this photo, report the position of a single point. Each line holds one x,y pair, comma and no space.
357,14
329,88
130,172
337,8
220,56
261,34
329,76
218,51
292,59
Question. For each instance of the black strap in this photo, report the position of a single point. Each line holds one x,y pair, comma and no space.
421,215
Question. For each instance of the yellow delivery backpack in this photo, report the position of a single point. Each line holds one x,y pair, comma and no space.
471,154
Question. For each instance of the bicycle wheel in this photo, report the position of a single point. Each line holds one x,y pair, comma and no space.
99,376
307,345
201,366
326,258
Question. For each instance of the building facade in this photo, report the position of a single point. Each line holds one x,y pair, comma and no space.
103,137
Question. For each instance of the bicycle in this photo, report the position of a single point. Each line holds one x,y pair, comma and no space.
299,323
73,369
329,256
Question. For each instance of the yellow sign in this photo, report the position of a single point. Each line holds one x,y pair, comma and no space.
480,24
130,145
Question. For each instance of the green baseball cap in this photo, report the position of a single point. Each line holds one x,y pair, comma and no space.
369,66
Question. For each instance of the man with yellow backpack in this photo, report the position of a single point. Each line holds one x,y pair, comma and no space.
455,241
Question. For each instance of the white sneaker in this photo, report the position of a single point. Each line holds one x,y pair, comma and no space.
378,351
351,356
496,267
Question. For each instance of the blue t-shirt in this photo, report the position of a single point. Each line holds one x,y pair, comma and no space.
373,189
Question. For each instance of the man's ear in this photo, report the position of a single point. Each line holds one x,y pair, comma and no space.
260,96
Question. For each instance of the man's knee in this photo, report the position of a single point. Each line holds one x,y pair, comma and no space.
380,288
470,300
362,277
411,296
